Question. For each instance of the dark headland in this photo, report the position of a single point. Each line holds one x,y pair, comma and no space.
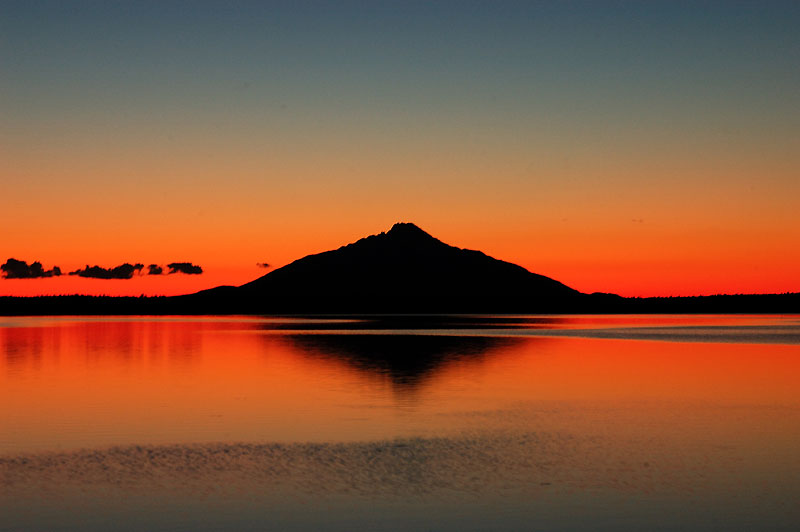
405,271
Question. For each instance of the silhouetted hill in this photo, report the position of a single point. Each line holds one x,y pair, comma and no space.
403,270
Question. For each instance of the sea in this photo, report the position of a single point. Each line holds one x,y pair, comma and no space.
466,422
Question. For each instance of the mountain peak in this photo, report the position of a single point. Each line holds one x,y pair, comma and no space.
404,270
406,228
406,233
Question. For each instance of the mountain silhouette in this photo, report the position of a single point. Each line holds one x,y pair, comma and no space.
402,270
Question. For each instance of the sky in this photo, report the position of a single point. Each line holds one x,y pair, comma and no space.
639,148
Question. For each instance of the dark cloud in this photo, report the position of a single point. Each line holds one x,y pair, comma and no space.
184,267
263,265
19,269
123,271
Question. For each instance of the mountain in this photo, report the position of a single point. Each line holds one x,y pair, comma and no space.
402,270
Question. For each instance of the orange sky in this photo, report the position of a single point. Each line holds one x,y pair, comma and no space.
572,142
617,235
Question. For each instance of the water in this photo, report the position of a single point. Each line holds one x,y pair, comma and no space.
397,423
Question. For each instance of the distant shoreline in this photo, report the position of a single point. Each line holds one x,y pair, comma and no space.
211,304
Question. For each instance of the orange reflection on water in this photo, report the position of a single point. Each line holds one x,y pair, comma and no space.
68,383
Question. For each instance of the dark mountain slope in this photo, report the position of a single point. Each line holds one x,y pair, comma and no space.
403,270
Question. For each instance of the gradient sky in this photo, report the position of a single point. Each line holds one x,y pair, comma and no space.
641,148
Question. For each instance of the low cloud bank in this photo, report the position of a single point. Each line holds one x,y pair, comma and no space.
184,267
19,269
123,271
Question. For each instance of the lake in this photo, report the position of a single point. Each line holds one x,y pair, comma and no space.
400,422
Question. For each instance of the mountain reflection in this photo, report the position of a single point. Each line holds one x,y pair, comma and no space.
405,359
422,322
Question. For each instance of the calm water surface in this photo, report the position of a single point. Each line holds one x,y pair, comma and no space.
396,423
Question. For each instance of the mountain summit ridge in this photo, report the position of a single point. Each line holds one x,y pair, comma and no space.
404,269
407,227
400,232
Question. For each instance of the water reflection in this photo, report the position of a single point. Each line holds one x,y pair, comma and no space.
407,360
286,423
99,342
497,324
394,322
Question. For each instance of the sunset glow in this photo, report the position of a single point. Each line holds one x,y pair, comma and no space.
641,149
143,375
